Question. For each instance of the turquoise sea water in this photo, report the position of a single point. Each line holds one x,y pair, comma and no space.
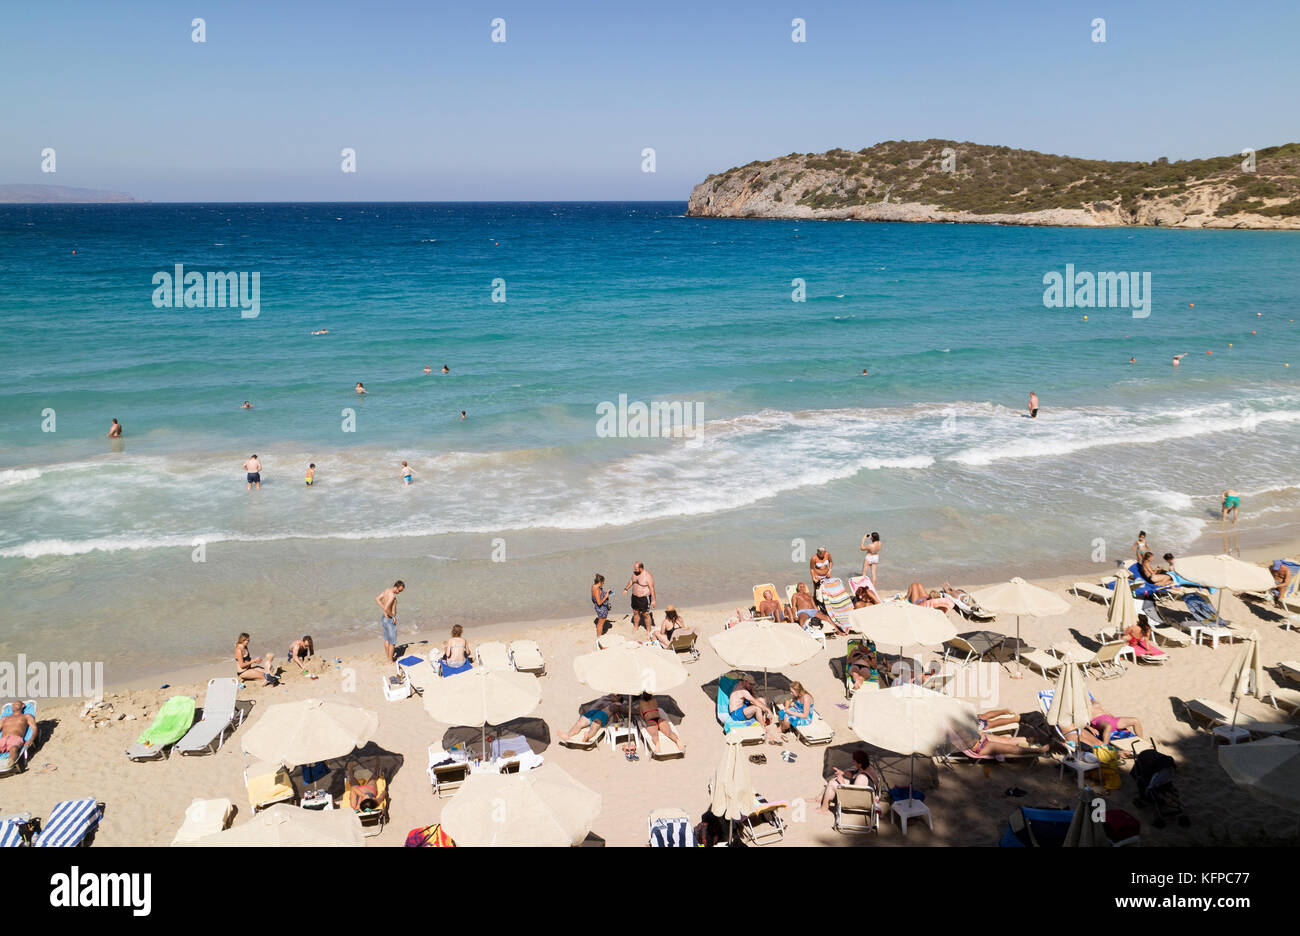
516,506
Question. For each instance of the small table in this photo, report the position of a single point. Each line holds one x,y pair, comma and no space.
911,809
1080,767
1230,733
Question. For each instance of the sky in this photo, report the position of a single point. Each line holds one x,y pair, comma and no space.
563,109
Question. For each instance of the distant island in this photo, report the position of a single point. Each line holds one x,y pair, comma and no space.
57,194
947,181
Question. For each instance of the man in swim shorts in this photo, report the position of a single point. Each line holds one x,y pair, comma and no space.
594,719
254,469
1281,577
13,732
115,430
1033,405
642,585
310,477
1231,501
387,601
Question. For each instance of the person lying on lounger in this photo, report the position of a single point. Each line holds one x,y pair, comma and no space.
1105,724
990,746
363,787
805,609
861,774
648,707
744,705
770,607
13,731
863,665
596,718
1152,574
864,597
918,594
1139,638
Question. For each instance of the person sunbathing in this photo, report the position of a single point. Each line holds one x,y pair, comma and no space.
13,732
1151,573
595,720
997,718
1138,636
863,665
363,787
798,711
1105,724
770,607
990,746
745,706
861,774
455,653
805,608
864,597
648,707
918,594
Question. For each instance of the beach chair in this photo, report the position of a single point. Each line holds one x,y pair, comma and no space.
1095,592
670,828
683,644
1106,663
1283,699
373,817
1046,663
69,823
668,748
493,655
511,753
750,731
1209,714
857,810
527,657
813,626
447,770
758,596
837,601
8,761
764,826
1123,739
419,672
962,652
203,818
268,784
16,830
877,678
221,713
172,723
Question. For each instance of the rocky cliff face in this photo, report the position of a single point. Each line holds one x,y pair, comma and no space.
944,181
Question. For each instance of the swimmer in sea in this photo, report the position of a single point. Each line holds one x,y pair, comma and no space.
406,474
864,372
1178,358
428,369
323,331
311,474
462,415
446,369
361,388
115,430
1132,360
247,405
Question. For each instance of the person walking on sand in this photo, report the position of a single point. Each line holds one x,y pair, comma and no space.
1140,546
872,560
642,585
1033,405
600,596
253,469
1231,501
115,430
387,601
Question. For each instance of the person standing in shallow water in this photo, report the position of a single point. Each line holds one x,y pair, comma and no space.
115,430
872,549
1033,405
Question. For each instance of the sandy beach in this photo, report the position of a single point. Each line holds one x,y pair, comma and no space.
145,802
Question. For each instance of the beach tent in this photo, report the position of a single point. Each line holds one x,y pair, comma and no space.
532,809
1020,598
285,826
296,733
764,645
910,719
482,697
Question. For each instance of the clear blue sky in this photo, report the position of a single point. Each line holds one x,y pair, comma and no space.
564,107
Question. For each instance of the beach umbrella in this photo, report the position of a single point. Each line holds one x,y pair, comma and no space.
1245,675
1269,768
902,624
543,807
1226,573
1022,599
910,719
482,697
1086,831
764,644
1070,705
285,826
1122,613
295,733
630,670
732,787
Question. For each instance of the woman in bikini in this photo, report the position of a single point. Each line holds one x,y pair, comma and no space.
872,559
1138,636
1105,724
363,787
798,711
648,707
1150,573
863,665
672,625
455,653
248,668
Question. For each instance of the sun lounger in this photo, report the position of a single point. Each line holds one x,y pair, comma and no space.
1095,592
204,817
683,644
69,823
758,595
1123,739
1044,662
172,723
578,743
668,748
1212,714
527,657
8,761
15,830
750,731
1283,699
670,828
857,810
1105,662
511,753
764,826
816,732
875,680
220,714
493,655
418,671
837,601
1290,669
268,784
374,817
447,770
962,652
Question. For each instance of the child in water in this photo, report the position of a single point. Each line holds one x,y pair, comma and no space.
406,473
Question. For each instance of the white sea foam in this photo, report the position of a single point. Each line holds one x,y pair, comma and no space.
18,475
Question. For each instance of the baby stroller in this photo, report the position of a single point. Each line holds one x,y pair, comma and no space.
1154,774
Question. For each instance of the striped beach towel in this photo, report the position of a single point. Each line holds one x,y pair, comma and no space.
836,599
672,833
68,823
11,831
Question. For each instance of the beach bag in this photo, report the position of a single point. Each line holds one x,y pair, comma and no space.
899,793
1033,725
429,837
1108,759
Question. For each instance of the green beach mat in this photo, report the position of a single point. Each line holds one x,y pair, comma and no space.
173,721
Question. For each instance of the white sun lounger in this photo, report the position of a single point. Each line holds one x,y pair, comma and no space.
220,714
493,655
668,748
447,770
204,817
527,657
1283,699
1214,714
419,672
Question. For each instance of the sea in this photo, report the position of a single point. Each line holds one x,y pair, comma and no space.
562,325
